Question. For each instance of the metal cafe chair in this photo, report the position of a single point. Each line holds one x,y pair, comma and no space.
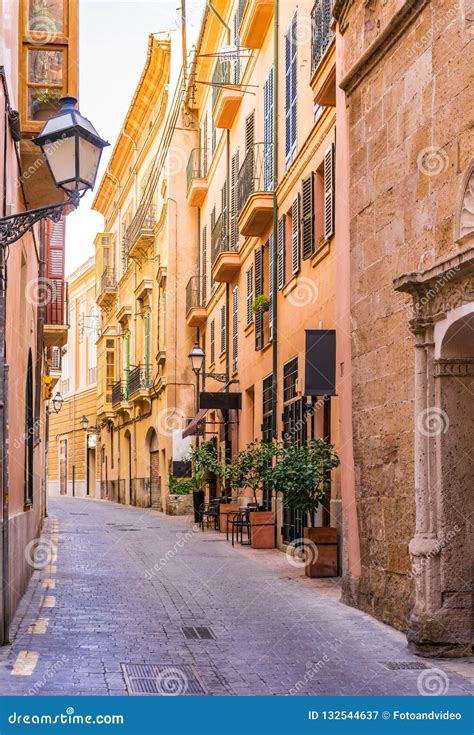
209,513
240,521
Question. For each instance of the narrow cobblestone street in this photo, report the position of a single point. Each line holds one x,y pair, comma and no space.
126,581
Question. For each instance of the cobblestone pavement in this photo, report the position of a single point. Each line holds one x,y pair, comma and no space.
122,583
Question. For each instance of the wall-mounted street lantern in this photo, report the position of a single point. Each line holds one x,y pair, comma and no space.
58,401
84,422
197,358
72,149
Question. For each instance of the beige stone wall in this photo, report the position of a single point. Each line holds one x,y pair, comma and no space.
410,110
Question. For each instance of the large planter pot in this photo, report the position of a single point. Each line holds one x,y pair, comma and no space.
225,509
322,563
180,505
262,530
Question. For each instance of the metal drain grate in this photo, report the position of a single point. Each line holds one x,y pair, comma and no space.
198,632
78,514
162,679
127,529
402,665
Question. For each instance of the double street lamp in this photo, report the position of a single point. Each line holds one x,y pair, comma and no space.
72,149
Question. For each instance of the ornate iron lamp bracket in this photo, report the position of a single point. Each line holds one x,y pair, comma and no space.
15,226
220,377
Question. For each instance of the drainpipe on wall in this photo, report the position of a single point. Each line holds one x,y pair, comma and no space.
4,398
275,223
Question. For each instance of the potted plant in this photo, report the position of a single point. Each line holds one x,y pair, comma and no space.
205,464
303,475
260,304
45,104
252,468
179,497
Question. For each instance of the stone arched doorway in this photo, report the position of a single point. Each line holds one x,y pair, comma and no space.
155,479
442,322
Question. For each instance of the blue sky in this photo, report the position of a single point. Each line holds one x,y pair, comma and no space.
113,42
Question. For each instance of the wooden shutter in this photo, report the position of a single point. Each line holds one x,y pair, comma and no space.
268,133
204,145
234,202
204,265
258,265
236,66
271,256
295,235
223,328
213,342
249,294
250,132
307,216
235,328
291,75
281,251
329,192
55,247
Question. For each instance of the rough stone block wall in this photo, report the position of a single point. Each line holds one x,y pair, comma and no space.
410,142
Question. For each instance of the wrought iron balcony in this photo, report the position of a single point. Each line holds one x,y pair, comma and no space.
225,258
226,92
119,392
196,301
321,32
57,313
108,285
140,234
219,238
196,173
256,190
140,379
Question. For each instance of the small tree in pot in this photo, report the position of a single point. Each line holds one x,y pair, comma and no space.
303,475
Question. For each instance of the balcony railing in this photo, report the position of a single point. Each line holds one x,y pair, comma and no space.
321,33
220,237
108,280
142,224
57,307
256,172
195,293
197,165
140,378
119,392
221,76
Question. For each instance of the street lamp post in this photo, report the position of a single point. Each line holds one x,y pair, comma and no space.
58,401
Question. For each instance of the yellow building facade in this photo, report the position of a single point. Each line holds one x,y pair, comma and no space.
72,460
221,189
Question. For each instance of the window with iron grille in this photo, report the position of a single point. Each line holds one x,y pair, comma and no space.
235,329
291,76
223,328
249,295
294,418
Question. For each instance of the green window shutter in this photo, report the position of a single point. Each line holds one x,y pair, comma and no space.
307,216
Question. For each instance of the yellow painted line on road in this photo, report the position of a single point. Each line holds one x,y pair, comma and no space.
39,627
49,601
51,569
49,584
25,663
